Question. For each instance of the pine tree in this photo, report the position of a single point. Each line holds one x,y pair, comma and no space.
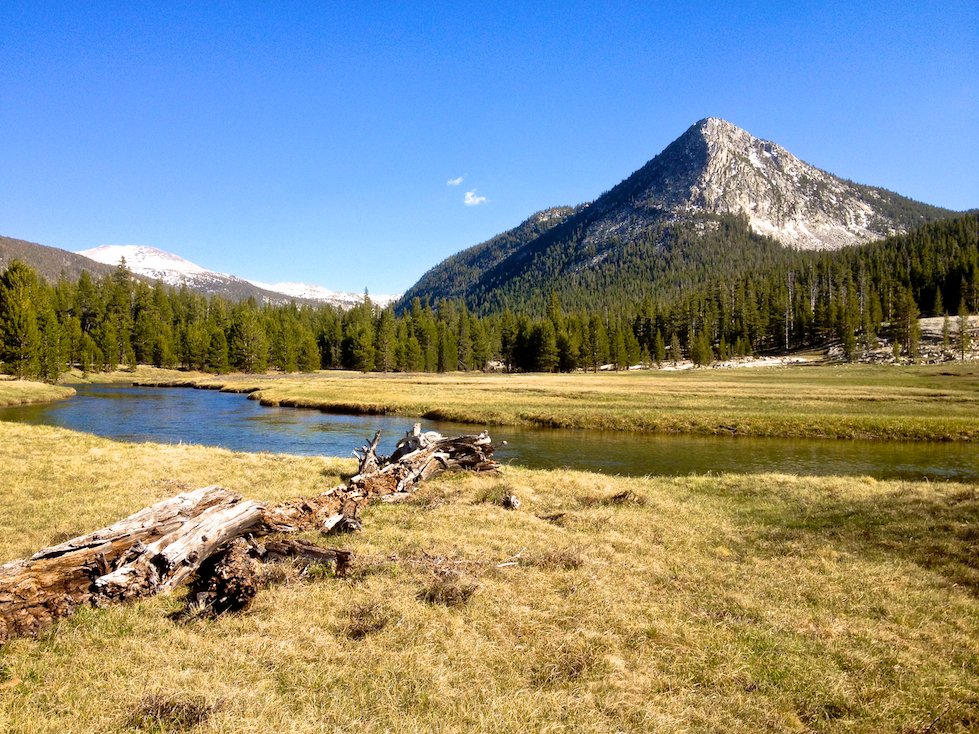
909,324
363,352
568,350
675,353
20,336
384,360
464,340
617,349
633,351
197,340
598,342
481,349
88,354
414,359
849,345
659,348
543,347
309,353
217,351
701,352
963,336
52,353
248,346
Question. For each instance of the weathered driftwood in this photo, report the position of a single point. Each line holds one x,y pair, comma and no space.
169,561
208,534
229,580
418,457
226,582
55,580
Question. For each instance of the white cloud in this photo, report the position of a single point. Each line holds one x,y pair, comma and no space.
454,181
472,199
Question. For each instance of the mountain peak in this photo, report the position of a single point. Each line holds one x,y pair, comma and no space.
142,259
715,184
716,167
715,124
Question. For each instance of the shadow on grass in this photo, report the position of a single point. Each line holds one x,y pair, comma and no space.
938,532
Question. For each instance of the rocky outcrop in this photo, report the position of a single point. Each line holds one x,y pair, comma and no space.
718,168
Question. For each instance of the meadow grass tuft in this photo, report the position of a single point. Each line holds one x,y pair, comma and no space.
449,587
367,619
170,713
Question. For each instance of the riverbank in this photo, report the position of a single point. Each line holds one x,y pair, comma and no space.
127,376
878,402
742,603
25,392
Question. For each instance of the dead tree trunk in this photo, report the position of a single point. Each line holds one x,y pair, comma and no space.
418,457
164,545
51,583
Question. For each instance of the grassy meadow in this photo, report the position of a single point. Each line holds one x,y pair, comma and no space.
22,392
935,402
706,603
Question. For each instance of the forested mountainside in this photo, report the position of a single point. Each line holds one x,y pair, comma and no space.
804,299
49,262
716,201
452,277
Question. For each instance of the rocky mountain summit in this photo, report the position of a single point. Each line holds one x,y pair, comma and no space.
718,168
741,192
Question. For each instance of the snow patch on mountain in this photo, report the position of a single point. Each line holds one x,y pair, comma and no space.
319,293
149,261
177,271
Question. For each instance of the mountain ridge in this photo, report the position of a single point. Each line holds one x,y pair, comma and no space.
153,264
49,262
177,271
712,175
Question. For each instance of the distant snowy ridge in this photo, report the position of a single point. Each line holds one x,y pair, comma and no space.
177,271
149,261
319,293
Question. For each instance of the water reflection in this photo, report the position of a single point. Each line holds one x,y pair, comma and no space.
230,420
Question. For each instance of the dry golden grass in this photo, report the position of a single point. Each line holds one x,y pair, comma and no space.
130,374
938,402
22,392
604,604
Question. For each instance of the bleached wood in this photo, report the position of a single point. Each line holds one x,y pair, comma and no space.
54,581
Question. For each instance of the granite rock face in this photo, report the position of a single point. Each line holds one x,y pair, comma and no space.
718,168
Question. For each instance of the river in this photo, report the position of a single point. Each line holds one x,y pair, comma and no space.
209,417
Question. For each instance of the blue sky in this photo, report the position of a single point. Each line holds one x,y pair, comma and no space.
316,141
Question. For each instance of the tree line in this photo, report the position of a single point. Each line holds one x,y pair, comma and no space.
803,300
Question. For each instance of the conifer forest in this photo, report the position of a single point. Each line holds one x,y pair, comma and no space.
787,301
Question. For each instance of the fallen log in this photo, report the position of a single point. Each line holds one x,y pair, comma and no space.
379,476
168,562
51,583
208,535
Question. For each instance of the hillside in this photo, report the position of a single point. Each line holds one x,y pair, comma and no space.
152,264
176,271
452,277
715,199
49,262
